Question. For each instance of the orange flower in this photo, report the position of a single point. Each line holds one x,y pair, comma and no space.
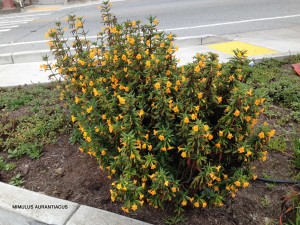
197,69
141,113
195,128
89,109
186,120
148,63
257,102
73,118
163,149
138,56
248,118
133,23
200,95
237,113
271,133
175,109
261,135
247,108
248,153
196,204
241,150
134,207
194,116
132,41
245,184
210,137
220,99
184,203
229,136
237,183
124,58
205,127
157,85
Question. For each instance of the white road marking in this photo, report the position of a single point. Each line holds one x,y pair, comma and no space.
232,22
5,26
174,29
21,16
41,41
13,21
23,43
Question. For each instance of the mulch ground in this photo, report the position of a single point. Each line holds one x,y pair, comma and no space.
64,172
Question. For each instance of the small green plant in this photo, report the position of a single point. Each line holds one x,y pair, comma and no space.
6,166
270,185
278,144
265,201
285,91
175,219
17,180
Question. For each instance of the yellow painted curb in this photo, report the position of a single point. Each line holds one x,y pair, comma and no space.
252,50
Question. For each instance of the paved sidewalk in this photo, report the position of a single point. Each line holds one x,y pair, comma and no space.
22,73
259,44
22,207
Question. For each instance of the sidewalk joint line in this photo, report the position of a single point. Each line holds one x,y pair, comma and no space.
72,214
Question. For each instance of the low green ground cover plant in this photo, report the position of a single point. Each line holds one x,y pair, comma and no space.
163,133
30,118
280,86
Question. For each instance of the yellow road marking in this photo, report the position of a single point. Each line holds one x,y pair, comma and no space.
45,9
252,50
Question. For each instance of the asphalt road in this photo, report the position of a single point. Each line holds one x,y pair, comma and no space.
25,31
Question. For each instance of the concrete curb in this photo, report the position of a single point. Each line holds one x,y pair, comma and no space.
199,40
21,206
25,56
278,56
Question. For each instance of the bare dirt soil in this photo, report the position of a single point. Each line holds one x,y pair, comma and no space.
64,172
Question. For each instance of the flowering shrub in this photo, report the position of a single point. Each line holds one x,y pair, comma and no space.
162,132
